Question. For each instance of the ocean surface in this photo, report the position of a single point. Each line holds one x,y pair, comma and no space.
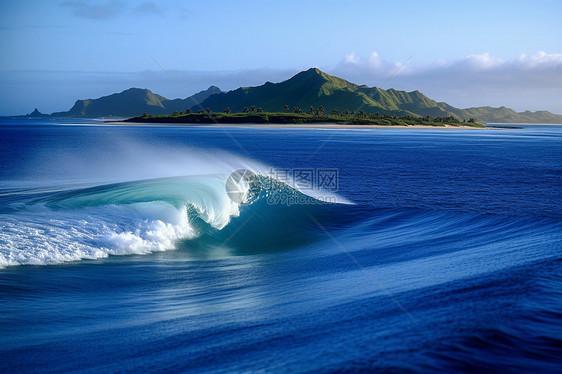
195,249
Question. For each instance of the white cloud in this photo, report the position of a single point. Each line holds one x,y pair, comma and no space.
483,62
375,61
540,60
527,82
352,59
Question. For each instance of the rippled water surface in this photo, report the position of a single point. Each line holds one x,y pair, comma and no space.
434,251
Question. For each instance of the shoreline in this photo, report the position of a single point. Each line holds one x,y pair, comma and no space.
289,125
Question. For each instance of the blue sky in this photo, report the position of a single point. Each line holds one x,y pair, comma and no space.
465,53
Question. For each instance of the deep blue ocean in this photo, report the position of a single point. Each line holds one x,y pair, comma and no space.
122,249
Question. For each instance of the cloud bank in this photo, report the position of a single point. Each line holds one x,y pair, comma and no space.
527,82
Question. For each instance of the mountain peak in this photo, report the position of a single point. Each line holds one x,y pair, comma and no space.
36,113
315,71
136,89
312,72
312,76
138,92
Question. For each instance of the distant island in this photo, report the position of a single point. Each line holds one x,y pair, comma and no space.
315,116
310,88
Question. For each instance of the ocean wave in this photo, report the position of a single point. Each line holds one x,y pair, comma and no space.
198,214
154,215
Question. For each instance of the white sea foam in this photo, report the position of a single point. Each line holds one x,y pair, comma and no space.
40,238
75,228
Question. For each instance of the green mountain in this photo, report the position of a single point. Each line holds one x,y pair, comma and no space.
131,102
181,105
486,114
315,88
308,88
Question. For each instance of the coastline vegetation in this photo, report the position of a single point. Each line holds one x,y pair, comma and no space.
296,115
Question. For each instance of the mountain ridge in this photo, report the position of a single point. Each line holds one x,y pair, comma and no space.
129,103
308,88
315,88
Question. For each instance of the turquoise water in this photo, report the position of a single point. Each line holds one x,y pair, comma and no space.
435,250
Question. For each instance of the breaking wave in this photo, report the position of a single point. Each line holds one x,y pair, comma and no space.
154,215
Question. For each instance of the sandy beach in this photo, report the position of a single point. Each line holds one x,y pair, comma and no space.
292,125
